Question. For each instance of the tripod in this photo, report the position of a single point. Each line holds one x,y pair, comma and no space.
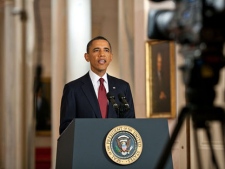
200,95
200,120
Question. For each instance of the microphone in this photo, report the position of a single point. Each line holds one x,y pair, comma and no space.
123,100
111,99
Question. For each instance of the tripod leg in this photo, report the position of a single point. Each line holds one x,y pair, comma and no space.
163,159
211,147
220,114
196,149
223,136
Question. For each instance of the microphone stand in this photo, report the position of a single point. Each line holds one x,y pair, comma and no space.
122,110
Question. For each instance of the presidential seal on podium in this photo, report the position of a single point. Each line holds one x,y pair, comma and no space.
123,145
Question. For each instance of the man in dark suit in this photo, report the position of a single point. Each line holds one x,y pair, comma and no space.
80,97
161,83
43,121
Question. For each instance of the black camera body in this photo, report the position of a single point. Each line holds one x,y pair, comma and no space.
191,22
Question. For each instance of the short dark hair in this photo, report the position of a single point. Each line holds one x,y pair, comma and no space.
97,38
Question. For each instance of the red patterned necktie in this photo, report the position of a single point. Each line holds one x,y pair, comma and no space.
102,99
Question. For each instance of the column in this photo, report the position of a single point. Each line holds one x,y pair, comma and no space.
16,97
140,36
1,84
71,30
79,33
10,117
58,66
126,41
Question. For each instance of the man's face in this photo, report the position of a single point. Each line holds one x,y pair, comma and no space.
99,56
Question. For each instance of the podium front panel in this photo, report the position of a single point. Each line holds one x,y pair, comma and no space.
82,144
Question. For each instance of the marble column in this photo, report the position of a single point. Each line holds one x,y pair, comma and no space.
79,33
10,112
132,37
1,85
58,66
140,36
126,41
71,30
17,87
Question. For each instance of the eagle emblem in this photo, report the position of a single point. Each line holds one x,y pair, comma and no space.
124,145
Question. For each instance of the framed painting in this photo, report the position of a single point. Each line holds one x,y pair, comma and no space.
160,79
43,107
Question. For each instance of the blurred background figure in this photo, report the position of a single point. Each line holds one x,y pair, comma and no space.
43,121
161,82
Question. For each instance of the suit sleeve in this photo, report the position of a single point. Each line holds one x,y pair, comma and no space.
68,106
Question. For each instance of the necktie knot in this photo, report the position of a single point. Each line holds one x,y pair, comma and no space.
101,81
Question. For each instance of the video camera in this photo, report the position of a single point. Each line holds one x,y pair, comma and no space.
197,25
192,22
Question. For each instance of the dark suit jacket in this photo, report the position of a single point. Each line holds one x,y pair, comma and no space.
80,101
163,85
43,115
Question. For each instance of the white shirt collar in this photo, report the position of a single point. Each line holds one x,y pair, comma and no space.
95,80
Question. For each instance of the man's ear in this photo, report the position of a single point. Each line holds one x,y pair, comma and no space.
111,57
86,56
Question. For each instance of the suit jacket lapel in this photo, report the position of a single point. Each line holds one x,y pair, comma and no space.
88,90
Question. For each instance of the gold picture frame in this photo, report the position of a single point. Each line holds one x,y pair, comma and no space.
160,79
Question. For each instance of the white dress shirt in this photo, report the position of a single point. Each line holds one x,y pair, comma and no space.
96,83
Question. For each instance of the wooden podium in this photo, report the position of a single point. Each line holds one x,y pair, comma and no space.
82,144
